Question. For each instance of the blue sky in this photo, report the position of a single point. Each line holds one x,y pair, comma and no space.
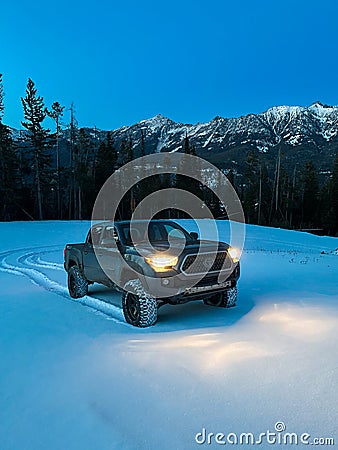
124,61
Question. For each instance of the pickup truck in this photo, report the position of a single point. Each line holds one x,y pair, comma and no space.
204,270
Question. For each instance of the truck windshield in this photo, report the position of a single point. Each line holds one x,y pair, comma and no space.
157,232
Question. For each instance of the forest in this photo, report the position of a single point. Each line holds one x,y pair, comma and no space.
39,183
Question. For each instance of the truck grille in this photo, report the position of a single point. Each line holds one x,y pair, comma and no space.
203,264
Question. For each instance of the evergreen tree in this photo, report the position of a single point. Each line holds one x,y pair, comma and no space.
188,148
105,161
34,114
126,151
310,194
143,145
284,198
74,196
186,144
231,177
2,106
326,212
8,167
293,199
84,145
111,150
334,196
56,113
126,155
251,195
264,195
84,167
190,183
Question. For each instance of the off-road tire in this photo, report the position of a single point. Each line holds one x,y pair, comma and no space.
139,308
226,299
231,297
77,284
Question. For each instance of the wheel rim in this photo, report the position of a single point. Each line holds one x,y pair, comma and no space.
133,307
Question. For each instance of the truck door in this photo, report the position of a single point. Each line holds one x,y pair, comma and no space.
92,269
108,254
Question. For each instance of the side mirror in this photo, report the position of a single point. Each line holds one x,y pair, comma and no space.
106,242
194,235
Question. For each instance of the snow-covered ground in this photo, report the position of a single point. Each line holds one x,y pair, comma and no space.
75,376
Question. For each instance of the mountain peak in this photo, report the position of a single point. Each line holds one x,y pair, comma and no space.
319,104
159,118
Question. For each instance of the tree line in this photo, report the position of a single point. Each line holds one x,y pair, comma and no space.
291,199
37,182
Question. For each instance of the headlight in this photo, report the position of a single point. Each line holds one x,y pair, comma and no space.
162,263
234,254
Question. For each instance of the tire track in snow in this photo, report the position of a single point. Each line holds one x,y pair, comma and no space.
28,258
35,261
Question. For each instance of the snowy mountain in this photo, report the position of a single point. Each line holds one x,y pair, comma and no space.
301,133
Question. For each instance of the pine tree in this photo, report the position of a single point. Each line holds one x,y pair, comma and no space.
326,216
34,114
74,205
188,148
126,151
8,167
2,106
84,167
310,194
334,195
251,196
190,183
186,144
231,177
265,194
111,150
283,201
105,162
143,145
56,113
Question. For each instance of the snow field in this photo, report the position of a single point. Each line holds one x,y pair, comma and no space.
74,375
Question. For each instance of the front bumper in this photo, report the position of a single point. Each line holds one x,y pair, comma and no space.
198,292
182,289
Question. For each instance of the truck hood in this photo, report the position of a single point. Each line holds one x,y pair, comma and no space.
194,247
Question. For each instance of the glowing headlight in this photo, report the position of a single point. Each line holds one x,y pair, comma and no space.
160,263
234,253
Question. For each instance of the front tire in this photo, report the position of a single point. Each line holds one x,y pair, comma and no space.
231,297
139,308
77,284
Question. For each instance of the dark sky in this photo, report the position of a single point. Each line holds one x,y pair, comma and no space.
124,61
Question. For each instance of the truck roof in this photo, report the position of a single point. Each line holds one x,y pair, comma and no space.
124,222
